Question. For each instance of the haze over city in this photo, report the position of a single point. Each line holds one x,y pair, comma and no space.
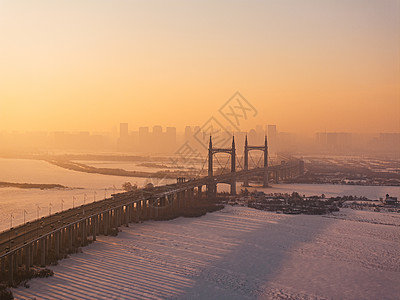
170,149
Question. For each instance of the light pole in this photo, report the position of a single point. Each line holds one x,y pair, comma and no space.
62,204
38,210
94,196
73,201
25,212
105,193
84,198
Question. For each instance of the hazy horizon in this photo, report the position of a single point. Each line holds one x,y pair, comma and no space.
307,66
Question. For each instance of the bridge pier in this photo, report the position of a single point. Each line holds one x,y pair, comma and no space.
84,233
138,210
11,269
43,252
155,208
57,245
2,268
199,192
105,222
94,227
19,255
191,197
27,252
211,190
127,214
170,203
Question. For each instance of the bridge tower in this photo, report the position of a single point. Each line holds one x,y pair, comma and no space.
248,148
211,185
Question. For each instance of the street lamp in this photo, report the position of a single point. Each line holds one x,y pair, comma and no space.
11,218
25,212
38,210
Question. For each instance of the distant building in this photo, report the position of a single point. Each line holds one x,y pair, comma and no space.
188,133
123,130
157,130
390,200
334,141
170,135
272,139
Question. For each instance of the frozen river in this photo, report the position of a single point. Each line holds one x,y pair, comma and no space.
86,187
236,253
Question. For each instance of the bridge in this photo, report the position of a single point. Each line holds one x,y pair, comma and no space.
46,240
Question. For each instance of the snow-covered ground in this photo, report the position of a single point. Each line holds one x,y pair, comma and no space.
236,253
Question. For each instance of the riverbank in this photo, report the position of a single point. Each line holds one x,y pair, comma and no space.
41,186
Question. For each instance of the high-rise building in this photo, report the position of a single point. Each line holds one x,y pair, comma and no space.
123,130
170,139
272,137
260,134
157,130
334,141
188,133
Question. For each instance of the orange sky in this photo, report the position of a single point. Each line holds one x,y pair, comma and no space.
306,66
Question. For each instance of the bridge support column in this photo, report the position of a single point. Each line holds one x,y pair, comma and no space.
84,233
43,252
211,190
57,244
19,255
246,163
265,181
114,218
144,210
11,269
164,205
2,268
70,237
138,210
127,214
105,222
233,185
199,192
170,203
155,208
149,211
191,197
132,212
28,256
178,199
94,227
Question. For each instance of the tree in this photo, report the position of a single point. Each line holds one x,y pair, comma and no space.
149,186
127,186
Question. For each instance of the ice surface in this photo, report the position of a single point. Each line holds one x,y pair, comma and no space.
236,253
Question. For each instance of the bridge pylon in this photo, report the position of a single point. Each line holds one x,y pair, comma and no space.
211,185
263,148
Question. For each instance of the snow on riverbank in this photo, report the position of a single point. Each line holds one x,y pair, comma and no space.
236,253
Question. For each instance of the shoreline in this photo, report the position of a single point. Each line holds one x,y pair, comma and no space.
41,186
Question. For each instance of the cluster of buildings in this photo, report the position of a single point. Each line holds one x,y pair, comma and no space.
346,142
166,140
158,139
